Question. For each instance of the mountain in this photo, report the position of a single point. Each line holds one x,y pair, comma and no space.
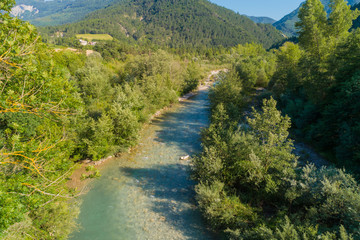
55,12
174,23
265,20
24,11
287,23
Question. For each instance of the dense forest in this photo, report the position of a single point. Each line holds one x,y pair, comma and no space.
252,185
192,23
59,105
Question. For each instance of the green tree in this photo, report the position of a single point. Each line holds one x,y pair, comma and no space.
192,78
266,157
287,76
340,20
37,104
312,28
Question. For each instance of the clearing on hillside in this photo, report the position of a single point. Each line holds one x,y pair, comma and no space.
91,37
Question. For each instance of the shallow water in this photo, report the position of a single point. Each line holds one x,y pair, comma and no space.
148,194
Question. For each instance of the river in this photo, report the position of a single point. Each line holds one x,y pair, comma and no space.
148,193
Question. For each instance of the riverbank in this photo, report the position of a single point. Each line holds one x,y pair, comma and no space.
77,182
147,193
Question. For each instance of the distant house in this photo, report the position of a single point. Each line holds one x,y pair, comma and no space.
83,42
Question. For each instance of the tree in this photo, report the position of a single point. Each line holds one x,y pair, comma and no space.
340,20
312,28
37,103
268,157
287,76
313,39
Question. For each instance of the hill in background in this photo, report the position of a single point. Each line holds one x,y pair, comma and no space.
266,20
287,23
56,12
174,23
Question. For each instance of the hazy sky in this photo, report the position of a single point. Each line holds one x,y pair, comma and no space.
270,8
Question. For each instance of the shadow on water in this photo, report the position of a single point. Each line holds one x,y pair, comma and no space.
182,128
148,193
172,196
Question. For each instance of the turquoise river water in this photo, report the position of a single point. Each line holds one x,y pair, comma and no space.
148,193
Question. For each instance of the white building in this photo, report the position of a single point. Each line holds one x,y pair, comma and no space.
83,42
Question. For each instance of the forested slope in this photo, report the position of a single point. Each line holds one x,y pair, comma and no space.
195,23
251,183
49,13
58,107
262,19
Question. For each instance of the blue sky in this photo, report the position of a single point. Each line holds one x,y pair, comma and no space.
270,8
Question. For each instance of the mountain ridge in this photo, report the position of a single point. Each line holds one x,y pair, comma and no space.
262,19
175,23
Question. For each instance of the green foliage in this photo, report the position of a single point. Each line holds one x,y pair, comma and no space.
287,23
100,139
312,27
126,122
287,74
57,107
255,69
111,50
93,81
340,19
251,187
182,24
227,93
94,173
316,80
37,104
221,210
254,65
6,5
118,101
193,74
270,160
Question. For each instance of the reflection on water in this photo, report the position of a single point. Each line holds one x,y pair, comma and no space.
147,194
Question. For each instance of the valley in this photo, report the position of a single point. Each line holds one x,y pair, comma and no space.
116,122
148,193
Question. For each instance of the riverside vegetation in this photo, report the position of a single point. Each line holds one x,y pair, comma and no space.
184,25
58,107
251,185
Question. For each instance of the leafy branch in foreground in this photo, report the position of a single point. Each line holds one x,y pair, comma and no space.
36,105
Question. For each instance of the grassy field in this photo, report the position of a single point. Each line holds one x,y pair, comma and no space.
91,37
